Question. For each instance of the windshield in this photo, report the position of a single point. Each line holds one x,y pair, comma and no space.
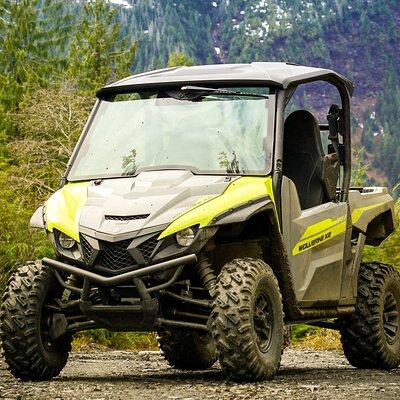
165,130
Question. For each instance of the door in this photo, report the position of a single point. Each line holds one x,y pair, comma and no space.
313,220
314,239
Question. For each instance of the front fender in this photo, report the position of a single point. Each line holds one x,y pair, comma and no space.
64,207
241,199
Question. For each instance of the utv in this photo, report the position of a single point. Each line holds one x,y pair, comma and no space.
192,207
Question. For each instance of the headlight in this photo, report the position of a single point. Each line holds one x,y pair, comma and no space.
185,237
65,241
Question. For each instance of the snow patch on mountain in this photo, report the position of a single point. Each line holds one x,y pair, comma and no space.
122,3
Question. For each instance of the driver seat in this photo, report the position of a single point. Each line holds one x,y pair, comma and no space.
303,157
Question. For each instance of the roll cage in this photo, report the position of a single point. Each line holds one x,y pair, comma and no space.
285,78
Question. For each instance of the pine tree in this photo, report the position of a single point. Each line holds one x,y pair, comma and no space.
98,53
359,177
32,39
177,59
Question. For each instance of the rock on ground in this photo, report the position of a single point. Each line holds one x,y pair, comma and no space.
304,374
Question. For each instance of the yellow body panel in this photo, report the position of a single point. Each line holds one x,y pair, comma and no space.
64,207
324,230
238,192
320,232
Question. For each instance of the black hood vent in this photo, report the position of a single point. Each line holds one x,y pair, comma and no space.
126,218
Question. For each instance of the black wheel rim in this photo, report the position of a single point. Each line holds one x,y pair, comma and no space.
45,324
390,318
263,321
50,307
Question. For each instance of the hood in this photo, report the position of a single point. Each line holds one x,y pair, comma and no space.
119,207
157,201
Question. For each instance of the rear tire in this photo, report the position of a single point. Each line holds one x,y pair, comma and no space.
187,350
28,351
247,320
371,336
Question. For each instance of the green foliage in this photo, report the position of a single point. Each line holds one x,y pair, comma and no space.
117,341
300,331
389,251
49,122
17,242
98,53
359,168
32,40
167,26
381,130
178,59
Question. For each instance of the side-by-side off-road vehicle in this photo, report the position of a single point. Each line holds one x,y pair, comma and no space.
192,207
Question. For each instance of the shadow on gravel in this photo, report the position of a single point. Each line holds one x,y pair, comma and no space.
304,372
311,375
216,376
211,376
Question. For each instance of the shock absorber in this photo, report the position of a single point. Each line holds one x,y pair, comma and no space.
206,272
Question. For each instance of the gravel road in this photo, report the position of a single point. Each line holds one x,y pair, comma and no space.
304,374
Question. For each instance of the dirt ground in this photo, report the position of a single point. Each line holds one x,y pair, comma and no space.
304,374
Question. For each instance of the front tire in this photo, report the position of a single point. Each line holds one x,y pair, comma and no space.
247,320
28,350
187,350
371,336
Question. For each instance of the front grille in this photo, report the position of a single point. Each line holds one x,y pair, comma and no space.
87,249
126,218
115,256
147,247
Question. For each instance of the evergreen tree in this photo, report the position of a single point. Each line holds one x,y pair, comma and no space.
98,53
359,168
178,59
32,39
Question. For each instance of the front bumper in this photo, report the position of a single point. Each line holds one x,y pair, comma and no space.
118,279
142,316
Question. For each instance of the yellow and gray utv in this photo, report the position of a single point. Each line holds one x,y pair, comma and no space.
192,207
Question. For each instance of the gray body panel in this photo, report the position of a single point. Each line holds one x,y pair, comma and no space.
317,271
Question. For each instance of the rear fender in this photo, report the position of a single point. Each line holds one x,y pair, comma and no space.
372,213
380,228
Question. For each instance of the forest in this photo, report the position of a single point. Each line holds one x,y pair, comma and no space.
55,54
